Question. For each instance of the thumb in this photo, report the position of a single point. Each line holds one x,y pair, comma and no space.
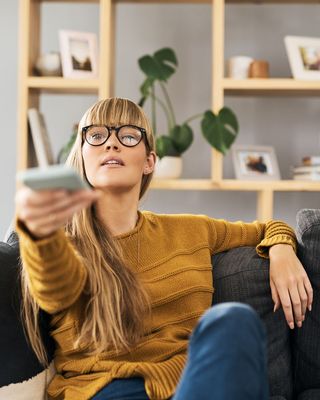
275,296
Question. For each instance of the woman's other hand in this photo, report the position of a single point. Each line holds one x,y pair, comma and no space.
43,212
290,285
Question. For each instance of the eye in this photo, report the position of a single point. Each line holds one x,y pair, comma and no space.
97,136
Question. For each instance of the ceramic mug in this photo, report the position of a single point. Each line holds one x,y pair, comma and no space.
238,67
259,69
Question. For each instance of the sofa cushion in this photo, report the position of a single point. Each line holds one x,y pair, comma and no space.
306,340
241,275
18,362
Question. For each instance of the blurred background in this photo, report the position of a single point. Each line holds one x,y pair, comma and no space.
290,124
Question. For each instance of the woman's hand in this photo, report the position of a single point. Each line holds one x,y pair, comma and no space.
290,285
43,212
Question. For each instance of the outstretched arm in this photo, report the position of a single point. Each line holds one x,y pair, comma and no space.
56,274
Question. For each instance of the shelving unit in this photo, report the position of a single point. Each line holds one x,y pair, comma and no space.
31,87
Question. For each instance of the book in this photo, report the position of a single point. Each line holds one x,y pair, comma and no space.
40,138
311,160
315,176
306,169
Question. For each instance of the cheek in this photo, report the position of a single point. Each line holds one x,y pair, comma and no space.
89,159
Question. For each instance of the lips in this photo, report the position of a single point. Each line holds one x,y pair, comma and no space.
112,161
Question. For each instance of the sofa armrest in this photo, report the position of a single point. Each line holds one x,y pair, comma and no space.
241,275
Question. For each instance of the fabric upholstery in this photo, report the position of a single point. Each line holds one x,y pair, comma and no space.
20,370
241,275
306,340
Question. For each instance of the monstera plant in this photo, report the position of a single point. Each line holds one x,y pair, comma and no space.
219,130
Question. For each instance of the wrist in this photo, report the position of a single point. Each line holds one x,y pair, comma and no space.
280,249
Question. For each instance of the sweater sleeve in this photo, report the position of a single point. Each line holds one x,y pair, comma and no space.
56,274
227,235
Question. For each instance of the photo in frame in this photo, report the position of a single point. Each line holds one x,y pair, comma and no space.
304,57
79,54
255,163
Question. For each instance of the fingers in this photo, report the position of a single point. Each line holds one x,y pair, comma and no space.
296,304
45,211
286,306
275,296
45,226
309,291
294,300
58,202
303,298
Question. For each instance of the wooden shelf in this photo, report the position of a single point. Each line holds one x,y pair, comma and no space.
257,2
235,185
271,86
32,87
273,2
63,85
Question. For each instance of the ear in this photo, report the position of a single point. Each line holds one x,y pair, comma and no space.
149,163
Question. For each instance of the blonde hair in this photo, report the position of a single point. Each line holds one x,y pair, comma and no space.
117,299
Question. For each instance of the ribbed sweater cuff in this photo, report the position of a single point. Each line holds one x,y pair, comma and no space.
263,247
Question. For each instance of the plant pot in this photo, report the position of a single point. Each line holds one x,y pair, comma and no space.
168,167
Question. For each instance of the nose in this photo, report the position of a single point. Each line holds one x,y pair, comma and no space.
112,141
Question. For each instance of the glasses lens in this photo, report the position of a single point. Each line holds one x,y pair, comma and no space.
129,136
96,135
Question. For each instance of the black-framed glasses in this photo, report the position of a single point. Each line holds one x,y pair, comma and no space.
128,135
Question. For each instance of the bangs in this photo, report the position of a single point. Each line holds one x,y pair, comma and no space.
115,112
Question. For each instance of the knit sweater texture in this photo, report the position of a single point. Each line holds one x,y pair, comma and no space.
174,264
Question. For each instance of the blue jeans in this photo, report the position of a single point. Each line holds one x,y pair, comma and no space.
226,360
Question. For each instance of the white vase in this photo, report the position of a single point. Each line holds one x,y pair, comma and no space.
168,168
49,64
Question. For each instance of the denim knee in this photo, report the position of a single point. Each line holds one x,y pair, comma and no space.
233,315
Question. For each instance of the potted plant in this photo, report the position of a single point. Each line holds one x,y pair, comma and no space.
219,130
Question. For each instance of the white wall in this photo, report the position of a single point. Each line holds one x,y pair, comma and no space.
289,124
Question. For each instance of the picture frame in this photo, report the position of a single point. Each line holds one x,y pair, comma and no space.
304,57
255,162
40,138
79,54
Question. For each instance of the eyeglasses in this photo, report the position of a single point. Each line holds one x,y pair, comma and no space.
128,135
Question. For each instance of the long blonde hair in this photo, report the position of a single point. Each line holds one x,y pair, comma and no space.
116,298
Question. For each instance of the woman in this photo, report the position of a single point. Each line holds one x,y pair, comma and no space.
126,288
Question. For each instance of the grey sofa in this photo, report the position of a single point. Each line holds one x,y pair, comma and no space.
239,275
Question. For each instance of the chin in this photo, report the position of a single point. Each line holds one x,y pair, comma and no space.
114,186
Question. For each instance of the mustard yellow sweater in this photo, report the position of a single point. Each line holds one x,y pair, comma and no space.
175,261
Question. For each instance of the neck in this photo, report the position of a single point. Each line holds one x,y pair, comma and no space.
118,213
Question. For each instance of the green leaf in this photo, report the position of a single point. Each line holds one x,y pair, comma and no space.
165,147
149,67
220,130
229,119
182,137
166,54
160,66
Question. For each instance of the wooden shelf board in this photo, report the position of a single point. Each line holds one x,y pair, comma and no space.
271,86
128,1
183,184
235,185
273,1
257,2
281,185
63,85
